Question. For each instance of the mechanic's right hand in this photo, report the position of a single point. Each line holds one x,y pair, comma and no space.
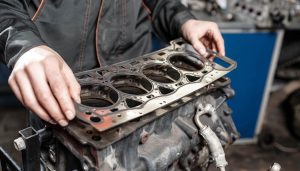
45,84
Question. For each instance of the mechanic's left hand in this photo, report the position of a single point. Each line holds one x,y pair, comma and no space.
202,35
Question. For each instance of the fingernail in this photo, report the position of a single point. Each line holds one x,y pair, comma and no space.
78,100
70,115
202,52
63,123
52,122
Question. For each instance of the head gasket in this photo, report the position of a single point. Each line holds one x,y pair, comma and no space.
125,91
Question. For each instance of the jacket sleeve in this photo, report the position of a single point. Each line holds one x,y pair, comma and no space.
18,33
167,17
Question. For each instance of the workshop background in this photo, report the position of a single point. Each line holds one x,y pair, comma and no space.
263,36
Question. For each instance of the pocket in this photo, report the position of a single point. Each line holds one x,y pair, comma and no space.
39,10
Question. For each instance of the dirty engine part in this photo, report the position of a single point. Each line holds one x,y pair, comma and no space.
139,115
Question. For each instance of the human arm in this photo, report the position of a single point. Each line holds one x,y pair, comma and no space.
40,79
170,19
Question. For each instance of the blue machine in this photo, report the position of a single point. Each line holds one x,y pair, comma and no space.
254,53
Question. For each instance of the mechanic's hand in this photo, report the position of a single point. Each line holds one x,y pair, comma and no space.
202,35
45,84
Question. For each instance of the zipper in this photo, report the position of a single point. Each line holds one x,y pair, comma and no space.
97,32
84,34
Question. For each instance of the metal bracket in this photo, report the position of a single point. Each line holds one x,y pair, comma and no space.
29,145
7,163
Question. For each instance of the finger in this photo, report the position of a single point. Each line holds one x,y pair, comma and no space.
13,85
198,46
60,91
211,56
72,83
206,42
44,94
29,98
218,41
214,49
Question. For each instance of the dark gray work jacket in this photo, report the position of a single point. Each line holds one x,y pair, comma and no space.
87,33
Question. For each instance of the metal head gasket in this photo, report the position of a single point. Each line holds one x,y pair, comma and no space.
122,92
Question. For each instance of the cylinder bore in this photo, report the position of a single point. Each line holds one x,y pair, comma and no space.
98,96
161,73
131,84
186,62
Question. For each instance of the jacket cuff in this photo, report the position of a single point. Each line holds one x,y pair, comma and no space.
20,43
181,18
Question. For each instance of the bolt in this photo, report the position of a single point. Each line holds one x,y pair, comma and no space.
144,138
219,130
275,167
19,144
85,166
208,79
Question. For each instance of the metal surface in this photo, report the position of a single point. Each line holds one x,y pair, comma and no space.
125,91
30,149
155,141
7,163
19,144
210,137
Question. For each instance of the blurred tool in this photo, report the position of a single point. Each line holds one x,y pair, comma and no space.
275,167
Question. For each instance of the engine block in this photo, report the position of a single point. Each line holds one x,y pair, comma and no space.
139,114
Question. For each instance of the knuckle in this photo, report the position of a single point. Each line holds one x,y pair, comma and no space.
29,103
11,80
214,25
18,73
49,62
44,98
63,101
30,66
57,116
44,117
57,86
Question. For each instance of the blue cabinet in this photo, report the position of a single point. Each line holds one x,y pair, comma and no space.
256,54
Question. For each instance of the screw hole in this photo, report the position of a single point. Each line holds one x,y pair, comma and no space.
95,119
96,137
89,131
114,109
88,112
